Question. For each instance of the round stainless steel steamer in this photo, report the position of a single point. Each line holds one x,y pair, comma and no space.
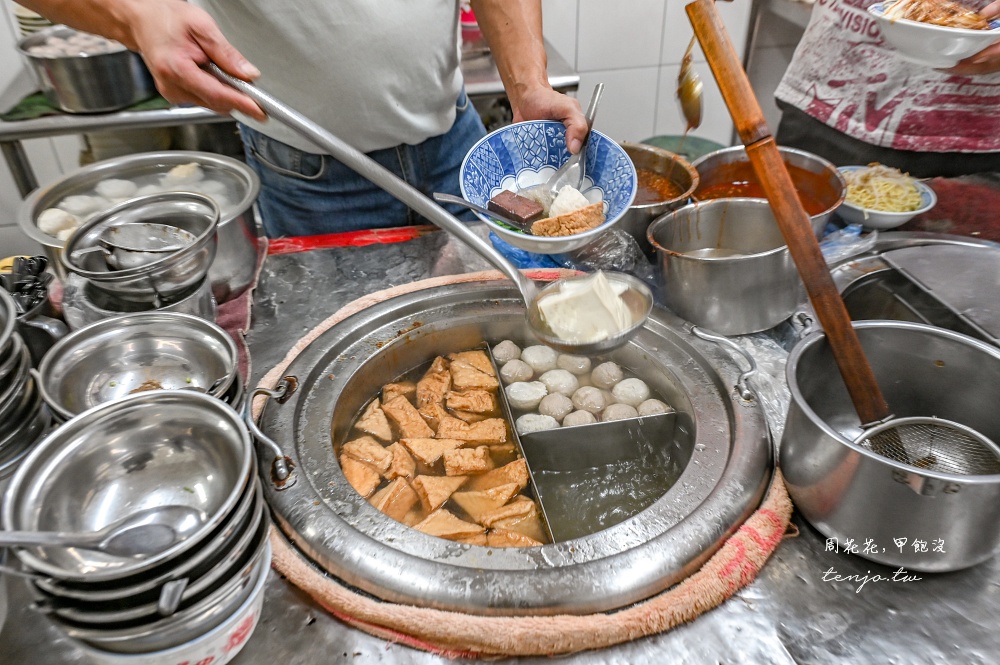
721,437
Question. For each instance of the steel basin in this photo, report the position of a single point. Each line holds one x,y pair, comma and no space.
821,181
723,442
638,217
850,493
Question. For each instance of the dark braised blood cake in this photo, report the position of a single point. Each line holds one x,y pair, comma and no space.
517,207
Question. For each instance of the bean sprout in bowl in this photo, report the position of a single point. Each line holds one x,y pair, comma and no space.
874,218
936,46
528,153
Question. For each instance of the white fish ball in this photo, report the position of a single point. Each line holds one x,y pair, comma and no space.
506,351
114,188
526,395
631,391
82,205
578,365
579,418
556,405
533,422
53,220
619,412
560,381
606,375
146,190
651,407
540,358
516,370
183,174
212,187
590,399
65,234
609,397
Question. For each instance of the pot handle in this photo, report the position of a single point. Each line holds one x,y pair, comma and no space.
40,334
282,476
741,387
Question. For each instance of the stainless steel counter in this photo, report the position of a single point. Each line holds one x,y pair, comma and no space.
479,70
795,612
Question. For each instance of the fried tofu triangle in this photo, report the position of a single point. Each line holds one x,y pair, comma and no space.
411,425
429,451
395,499
473,401
368,450
490,431
477,359
402,465
362,477
431,388
391,391
444,524
498,537
465,376
571,223
467,461
516,472
374,422
481,502
435,490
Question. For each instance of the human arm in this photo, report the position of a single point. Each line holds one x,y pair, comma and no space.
986,61
513,29
174,38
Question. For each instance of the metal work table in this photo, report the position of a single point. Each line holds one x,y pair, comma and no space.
789,614
482,81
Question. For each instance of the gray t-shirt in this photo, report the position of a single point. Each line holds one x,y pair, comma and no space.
375,74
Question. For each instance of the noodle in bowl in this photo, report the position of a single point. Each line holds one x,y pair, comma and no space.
882,198
929,44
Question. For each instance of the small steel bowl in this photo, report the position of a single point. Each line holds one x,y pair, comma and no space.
116,357
88,83
162,279
152,449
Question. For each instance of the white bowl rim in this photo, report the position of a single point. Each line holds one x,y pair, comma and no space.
877,10
506,233
922,186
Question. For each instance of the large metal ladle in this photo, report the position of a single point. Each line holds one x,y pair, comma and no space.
638,293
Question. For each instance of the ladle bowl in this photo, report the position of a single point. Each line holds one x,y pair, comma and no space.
388,181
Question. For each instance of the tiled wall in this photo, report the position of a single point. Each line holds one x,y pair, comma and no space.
634,47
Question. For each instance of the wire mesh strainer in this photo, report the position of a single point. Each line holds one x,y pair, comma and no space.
933,444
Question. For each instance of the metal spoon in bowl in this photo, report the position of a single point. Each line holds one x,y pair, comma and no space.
440,197
406,193
140,534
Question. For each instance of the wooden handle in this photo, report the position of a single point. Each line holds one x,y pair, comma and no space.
792,219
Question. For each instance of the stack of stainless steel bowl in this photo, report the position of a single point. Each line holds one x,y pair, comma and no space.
135,353
172,452
23,417
138,276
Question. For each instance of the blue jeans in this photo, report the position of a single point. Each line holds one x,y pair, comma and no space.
308,194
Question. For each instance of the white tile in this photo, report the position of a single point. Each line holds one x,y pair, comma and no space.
628,104
67,150
619,35
677,30
559,26
43,160
716,123
14,242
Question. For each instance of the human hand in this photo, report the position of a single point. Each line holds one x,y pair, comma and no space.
175,39
986,61
544,103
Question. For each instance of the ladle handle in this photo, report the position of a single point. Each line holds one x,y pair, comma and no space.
379,175
791,217
47,539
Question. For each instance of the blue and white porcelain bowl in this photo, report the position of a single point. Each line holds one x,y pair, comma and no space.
527,153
